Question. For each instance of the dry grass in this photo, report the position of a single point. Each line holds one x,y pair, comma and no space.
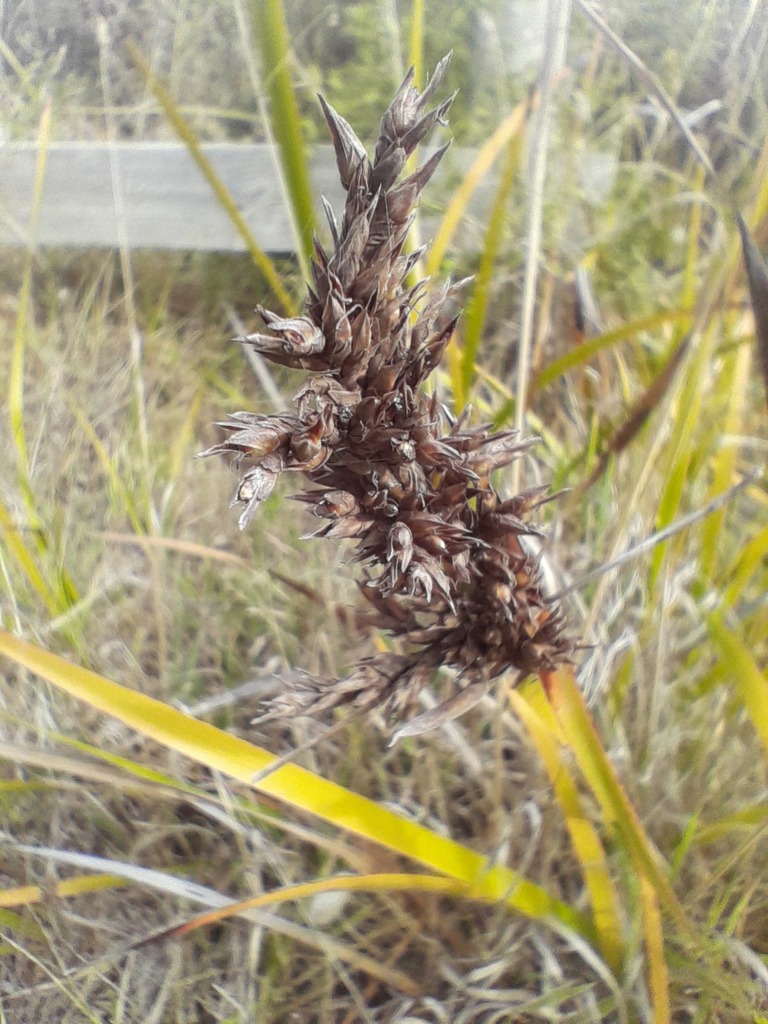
111,430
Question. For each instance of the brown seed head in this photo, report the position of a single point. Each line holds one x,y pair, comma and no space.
447,572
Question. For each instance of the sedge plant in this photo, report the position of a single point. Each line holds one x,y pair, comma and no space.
686,914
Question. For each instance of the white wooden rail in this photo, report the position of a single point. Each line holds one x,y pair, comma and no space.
153,196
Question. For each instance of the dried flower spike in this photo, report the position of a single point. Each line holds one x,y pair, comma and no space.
447,566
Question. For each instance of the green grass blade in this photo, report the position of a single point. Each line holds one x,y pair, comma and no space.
689,403
64,589
583,353
285,121
16,380
295,786
188,136
23,74
128,765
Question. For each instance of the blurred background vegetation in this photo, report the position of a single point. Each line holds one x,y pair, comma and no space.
118,551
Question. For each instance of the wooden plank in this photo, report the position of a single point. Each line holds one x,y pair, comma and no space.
150,195
147,195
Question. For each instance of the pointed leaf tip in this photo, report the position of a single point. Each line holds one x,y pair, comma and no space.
757,282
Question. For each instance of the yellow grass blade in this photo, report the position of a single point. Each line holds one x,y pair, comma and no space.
24,895
511,126
733,382
10,921
295,786
180,888
751,559
690,276
688,406
180,445
416,41
23,785
189,548
586,842
136,776
582,737
110,469
10,537
751,682
220,190
658,975
383,882
463,373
